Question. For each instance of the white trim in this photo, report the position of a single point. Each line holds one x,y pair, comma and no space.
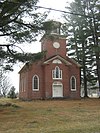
33,83
58,57
71,83
75,62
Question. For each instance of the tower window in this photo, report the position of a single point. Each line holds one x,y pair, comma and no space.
57,31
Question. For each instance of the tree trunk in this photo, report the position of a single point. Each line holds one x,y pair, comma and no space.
84,71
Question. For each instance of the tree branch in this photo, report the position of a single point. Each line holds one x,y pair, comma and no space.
30,26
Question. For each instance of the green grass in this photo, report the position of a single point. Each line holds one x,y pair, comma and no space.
51,116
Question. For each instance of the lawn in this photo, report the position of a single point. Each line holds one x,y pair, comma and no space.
50,116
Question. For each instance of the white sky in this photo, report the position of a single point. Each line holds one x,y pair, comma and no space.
36,47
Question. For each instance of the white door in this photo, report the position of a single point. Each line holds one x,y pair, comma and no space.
57,90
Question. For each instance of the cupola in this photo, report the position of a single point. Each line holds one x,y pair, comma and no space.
52,27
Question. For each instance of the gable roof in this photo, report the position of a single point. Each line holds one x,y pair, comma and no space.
32,59
67,61
73,61
57,57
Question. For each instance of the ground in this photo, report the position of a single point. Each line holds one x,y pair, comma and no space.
50,116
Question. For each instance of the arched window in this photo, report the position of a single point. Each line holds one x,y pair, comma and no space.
57,61
35,83
57,73
73,83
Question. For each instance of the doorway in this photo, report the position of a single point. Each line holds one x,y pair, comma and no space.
57,90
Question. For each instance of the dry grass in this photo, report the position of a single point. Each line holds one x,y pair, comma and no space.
58,116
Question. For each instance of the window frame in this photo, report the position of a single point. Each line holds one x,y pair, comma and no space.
33,80
71,83
57,73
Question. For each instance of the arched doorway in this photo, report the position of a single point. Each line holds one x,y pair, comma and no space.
57,89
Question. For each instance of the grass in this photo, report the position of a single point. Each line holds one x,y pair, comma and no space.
51,116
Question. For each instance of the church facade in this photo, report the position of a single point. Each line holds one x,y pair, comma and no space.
55,75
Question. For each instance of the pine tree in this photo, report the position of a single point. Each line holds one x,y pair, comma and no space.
81,41
20,22
12,93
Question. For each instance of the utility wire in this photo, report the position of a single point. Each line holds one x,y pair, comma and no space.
52,9
57,10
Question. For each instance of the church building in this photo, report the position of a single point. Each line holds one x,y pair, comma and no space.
53,76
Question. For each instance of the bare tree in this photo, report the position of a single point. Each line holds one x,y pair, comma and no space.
4,83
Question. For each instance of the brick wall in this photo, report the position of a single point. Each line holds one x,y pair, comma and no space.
47,45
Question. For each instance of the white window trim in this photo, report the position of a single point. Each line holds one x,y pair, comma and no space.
56,61
71,83
33,83
54,74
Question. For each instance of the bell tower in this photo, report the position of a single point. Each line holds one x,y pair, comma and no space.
52,41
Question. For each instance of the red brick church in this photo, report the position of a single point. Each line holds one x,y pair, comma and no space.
55,75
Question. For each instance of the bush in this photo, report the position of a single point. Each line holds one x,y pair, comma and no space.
12,93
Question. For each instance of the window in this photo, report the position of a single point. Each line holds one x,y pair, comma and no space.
57,61
22,85
57,73
35,83
73,83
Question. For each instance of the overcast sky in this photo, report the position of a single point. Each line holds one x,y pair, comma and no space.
53,15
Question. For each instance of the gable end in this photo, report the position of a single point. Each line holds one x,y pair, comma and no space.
58,58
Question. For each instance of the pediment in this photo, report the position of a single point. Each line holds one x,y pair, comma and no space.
57,60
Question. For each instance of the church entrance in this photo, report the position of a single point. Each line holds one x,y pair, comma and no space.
57,90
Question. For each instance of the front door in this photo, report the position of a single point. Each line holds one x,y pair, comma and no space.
57,90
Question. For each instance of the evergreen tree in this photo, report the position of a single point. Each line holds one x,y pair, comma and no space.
20,22
12,93
81,28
